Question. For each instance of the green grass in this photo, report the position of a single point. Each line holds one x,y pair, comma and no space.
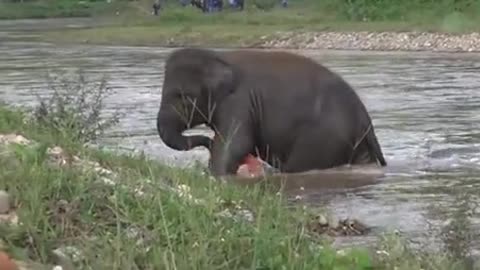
137,220
134,24
67,206
57,8
188,26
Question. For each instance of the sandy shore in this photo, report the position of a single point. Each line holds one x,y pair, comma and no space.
374,41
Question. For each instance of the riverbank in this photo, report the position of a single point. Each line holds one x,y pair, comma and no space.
233,33
41,9
410,26
73,205
263,38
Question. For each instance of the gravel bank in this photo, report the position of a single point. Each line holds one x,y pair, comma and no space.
375,41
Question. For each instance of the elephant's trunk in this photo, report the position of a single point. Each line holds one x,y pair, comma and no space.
170,128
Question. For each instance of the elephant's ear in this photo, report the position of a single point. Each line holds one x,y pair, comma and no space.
219,76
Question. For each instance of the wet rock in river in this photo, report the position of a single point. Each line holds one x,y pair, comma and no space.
322,220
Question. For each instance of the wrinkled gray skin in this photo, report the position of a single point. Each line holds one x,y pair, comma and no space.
285,108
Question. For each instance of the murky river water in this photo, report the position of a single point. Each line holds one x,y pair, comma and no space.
425,108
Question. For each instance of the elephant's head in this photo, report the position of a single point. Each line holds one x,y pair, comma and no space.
195,82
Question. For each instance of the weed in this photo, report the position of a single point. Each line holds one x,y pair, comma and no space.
74,108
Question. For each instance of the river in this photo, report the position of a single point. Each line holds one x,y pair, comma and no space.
425,108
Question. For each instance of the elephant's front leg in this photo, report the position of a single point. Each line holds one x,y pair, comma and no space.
229,149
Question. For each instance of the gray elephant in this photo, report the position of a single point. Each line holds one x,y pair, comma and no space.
290,111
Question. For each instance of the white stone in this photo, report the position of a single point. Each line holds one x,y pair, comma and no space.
4,202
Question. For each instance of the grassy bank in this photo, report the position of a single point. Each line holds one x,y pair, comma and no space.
135,220
74,205
39,9
188,26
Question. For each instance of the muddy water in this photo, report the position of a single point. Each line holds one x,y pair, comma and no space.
425,108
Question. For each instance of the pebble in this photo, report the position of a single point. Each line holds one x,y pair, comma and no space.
14,138
379,41
322,220
333,221
10,218
4,202
67,256
240,215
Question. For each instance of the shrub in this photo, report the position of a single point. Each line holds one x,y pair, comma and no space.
74,108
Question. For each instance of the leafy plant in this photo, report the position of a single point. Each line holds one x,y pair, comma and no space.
74,108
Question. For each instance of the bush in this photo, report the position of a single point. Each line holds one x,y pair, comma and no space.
74,108
381,10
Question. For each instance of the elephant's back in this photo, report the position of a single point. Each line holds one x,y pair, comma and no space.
277,62
295,84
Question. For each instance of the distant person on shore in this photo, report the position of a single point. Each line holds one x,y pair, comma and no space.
212,5
200,4
208,6
236,4
156,7
284,3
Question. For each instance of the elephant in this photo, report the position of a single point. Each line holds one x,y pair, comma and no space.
292,112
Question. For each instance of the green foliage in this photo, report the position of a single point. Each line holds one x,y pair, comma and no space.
11,119
446,15
456,21
74,108
392,10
